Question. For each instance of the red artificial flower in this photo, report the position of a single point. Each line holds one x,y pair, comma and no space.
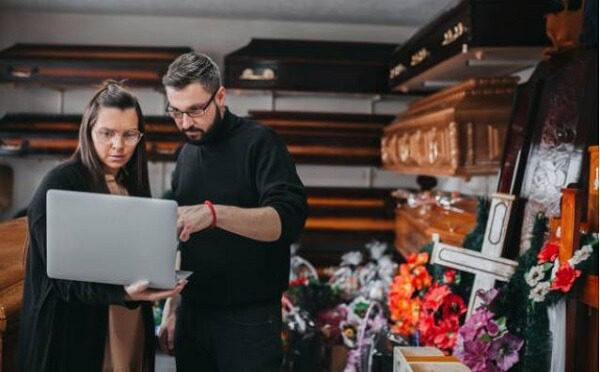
565,277
549,252
415,260
421,278
435,296
453,306
449,276
445,337
427,328
298,282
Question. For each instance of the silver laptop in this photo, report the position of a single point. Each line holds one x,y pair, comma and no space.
111,239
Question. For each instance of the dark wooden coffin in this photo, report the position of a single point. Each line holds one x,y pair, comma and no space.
316,66
456,132
323,138
474,38
12,246
344,219
23,134
65,65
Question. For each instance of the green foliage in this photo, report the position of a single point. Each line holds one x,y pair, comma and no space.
314,296
523,320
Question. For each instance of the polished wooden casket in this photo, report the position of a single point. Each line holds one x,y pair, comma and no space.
328,138
65,65
472,38
416,225
12,248
456,132
308,65
24,134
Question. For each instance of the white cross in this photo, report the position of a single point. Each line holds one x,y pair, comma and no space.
487,265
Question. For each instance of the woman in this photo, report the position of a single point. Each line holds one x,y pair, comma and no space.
81,326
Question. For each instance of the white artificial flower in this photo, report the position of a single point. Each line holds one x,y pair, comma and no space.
535,275
352,258
538,294
581,255
376,249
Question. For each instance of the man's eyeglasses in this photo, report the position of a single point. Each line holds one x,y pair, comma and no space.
104,136
194,112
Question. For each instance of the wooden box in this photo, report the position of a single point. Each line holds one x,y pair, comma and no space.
324,138
306,65
472,38
65,65
13,235
456,132
425,359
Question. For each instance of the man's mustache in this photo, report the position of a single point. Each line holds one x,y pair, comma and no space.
193,129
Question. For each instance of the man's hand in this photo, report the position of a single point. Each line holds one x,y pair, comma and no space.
191,219
139,291
166,332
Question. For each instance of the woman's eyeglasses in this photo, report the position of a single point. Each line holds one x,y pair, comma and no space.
194,112
104,135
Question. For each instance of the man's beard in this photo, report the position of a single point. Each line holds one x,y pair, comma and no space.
212,134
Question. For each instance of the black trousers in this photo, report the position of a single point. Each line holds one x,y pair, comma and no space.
242,339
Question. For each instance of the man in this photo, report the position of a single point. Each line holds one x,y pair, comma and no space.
241,205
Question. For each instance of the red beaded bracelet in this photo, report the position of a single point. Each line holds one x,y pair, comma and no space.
213,211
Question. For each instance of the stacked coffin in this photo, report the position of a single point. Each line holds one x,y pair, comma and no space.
456,132
67,65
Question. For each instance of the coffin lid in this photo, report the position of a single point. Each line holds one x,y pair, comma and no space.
469,39
310,66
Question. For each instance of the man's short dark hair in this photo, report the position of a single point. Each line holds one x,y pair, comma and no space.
191,68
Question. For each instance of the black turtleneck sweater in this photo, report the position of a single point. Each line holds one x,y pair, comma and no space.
247,166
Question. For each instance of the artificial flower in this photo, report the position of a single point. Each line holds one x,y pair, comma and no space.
484,343
453,306
435,296
581,255
415,260
535,275
487,296
449,276
421,278
474,355
504,351
446,333
565,277
549,253
477,324
539,292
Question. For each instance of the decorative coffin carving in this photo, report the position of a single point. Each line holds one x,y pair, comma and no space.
456,132
322,138
22,134
344,219
62,65
13,235
316,66
474,38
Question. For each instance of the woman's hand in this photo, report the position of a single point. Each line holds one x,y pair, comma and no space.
139,291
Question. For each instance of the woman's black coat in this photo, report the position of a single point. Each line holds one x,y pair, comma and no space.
63,323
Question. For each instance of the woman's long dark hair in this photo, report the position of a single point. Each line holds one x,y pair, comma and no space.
134,175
